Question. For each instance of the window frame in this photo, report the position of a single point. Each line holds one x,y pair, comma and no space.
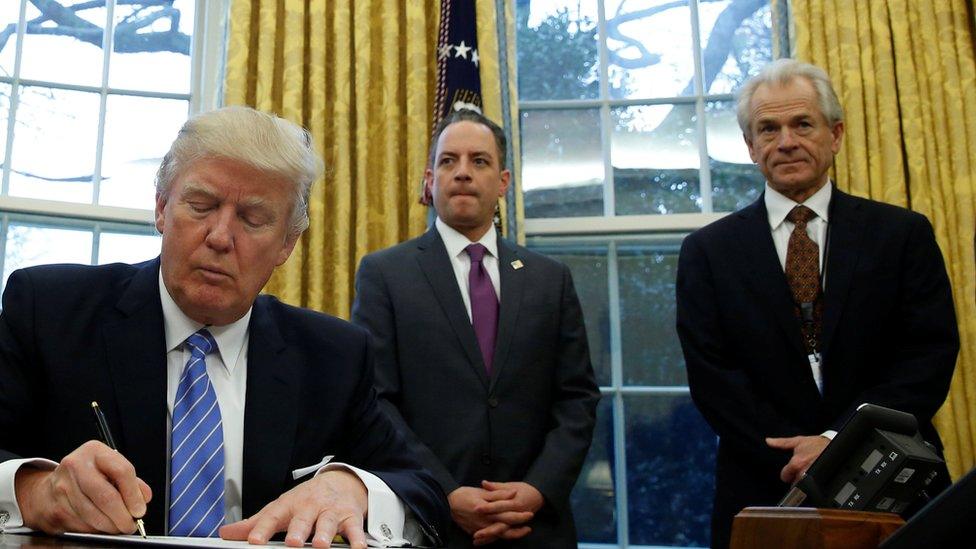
207,56
610,229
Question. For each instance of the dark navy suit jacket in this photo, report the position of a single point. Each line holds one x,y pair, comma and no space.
71,334
889,337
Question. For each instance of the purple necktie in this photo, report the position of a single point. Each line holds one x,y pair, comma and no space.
484,304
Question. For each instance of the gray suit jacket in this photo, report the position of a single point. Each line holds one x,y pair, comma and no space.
531,421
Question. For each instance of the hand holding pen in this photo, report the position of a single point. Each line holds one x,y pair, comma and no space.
110,442
92,489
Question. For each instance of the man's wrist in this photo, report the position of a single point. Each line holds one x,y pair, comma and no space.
25,483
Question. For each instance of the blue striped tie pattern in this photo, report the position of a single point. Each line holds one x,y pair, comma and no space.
196,490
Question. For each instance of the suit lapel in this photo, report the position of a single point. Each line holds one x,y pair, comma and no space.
768,279
136,349
846,229
437,267
270,414
511,283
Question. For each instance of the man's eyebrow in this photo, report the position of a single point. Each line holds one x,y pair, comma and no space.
194,189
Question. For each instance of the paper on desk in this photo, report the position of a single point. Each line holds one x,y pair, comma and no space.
174,541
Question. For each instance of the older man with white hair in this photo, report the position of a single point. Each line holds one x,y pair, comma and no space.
809,302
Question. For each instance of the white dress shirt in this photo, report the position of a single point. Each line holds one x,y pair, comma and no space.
227,369
455,243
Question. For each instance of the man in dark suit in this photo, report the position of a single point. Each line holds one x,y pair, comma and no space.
807,303
270,394
481,353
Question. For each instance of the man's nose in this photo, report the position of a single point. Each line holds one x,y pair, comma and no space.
220,233
463,170
787,140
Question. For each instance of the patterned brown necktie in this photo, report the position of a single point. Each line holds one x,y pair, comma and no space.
803,275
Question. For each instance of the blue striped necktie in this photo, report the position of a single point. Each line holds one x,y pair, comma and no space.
196,490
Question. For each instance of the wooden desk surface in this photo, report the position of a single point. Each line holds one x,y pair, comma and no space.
26,541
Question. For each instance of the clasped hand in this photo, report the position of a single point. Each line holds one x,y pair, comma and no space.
497,510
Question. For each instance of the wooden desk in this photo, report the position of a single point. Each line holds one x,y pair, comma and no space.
807,528
29,541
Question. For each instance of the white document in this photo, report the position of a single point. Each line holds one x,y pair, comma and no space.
177,541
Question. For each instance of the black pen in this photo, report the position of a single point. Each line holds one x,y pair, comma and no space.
110,442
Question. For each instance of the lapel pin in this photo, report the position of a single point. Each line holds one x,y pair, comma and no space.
517,264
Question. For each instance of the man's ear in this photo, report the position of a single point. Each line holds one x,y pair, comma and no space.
506,179
161,200
838,135
287,249
429,184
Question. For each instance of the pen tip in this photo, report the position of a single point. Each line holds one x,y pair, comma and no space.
94,404
142,528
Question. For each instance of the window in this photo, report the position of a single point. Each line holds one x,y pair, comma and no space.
92,93
629,140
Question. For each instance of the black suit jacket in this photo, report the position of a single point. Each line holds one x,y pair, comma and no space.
531,421
71,334
889,337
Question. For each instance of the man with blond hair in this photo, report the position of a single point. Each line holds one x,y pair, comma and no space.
224,404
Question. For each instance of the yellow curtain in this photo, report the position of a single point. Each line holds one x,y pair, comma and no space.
360,75
905,73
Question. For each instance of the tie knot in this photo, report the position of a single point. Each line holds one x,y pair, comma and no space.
800,215
202,341
476,252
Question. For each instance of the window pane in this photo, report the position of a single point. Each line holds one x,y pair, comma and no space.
651,353
70,50
562,163
29,245
593,496
5,91
157,37
736,37
650,48
127,248
138,132
9,14
557,50
670,471
655,160
736,182
54,144
589,267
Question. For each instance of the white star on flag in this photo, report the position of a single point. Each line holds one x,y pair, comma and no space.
445,51
474,57
461,50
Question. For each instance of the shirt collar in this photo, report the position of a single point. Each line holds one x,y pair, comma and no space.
779,206
456,242
230,337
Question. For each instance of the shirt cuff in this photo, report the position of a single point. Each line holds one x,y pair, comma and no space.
829,434
10,516
389,522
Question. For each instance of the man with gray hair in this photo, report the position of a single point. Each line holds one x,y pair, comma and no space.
224,404
809,302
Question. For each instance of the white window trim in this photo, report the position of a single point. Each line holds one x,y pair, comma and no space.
206,93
